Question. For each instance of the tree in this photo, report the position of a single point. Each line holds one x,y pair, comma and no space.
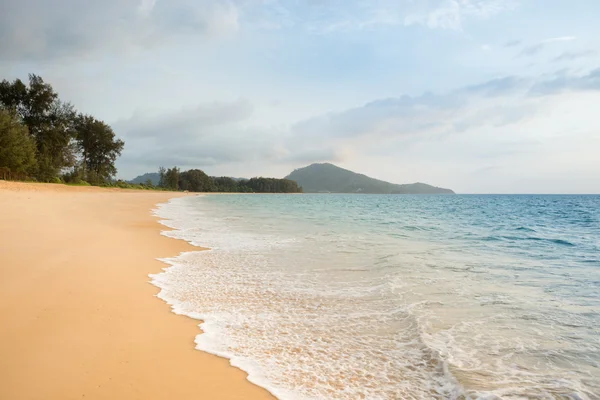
162,177
225,184
17,148
270,185
98,147
50,122
172,178
195,180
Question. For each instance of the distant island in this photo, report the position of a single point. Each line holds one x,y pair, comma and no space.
329,178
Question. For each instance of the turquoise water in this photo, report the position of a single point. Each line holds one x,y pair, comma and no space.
395,297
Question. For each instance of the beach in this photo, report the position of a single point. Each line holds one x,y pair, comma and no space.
79,316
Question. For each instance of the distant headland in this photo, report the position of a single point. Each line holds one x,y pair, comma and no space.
319,178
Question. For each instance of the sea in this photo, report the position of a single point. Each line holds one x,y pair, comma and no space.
333,296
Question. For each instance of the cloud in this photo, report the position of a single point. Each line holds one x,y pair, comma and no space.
322,16
41,30
342,16
513,43
323,154
458,110
187,122
493,104
495,120
487,170
538,47
209,134
497,86
396,116
574,55
450,14
563,82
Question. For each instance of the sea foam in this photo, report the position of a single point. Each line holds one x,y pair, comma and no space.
322,308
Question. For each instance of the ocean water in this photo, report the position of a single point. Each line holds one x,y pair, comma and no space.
394,296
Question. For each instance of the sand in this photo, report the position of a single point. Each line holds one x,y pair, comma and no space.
79,318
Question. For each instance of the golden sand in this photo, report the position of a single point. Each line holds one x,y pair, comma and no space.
78,316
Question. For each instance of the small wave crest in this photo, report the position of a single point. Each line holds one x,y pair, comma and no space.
525,229
495,238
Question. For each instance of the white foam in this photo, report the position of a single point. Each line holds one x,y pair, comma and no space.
303,329
280,330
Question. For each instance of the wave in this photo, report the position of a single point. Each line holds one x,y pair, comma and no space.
555,241
525,229
561,242
292,339
364,314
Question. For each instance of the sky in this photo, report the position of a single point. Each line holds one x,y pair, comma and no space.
480,96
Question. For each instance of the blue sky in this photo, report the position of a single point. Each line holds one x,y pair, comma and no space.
475,95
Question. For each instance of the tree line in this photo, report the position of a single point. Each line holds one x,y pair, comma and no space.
195,180
45,139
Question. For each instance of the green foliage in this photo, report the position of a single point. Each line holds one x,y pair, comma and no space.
62,139
195,180
152,178
17,148
50,122
225,184
171,179
74,176
270,185
98,147
80,183
162,179
124,185
121,184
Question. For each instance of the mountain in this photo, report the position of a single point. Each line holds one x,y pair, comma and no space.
153,176
329,178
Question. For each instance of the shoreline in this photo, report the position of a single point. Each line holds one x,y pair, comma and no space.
81,317
176,307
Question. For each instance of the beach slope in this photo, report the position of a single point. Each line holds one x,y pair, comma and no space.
79,318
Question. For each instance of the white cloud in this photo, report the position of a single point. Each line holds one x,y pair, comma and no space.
451,14
42,30
541,153
206,135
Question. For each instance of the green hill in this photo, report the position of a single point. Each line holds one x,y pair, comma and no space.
153,176
329,178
